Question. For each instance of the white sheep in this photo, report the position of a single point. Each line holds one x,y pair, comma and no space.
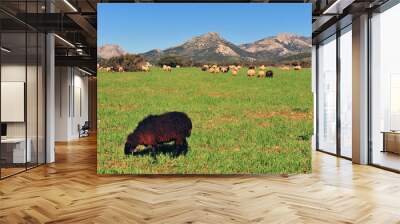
224,69
285,68
298,67
261,74
234,71
167,68
205,68
251,72
145,68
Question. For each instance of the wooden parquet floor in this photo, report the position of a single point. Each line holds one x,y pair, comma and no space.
70,191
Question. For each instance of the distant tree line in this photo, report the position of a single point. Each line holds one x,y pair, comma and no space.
129,62
173,61
132,62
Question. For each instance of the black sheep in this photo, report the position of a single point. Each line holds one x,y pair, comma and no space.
158,129
269,74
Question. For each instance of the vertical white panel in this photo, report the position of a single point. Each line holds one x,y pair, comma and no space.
346,92
50,110
12,101
327,95
360,90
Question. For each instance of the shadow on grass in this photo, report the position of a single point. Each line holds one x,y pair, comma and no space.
170,150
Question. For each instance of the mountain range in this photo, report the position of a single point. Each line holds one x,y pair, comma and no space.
211,47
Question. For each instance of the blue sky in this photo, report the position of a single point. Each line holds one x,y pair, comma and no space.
138,28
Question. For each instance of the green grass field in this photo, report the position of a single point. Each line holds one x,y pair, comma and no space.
241,125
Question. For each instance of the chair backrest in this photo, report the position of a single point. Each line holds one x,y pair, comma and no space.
86,125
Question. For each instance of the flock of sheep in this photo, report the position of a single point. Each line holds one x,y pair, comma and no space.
110,69
262,73
224,69
252,71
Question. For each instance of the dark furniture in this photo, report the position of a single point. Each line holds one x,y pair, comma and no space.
391,141
84,129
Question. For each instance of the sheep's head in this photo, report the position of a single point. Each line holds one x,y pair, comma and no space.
131,144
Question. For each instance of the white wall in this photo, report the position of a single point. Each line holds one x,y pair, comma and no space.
62,82
33,127
70,83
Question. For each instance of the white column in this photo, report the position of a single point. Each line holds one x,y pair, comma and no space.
360,90
50,100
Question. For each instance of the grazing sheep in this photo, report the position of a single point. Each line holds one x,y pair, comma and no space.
234,72
205,68
145,68
261,74
158,129
251,72
214,69
120,69
148,65
238,67
298,67
262,68
178,66
109,69
167,68
285,68
224,69
269,74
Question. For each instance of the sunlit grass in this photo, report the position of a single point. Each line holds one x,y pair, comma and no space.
240,124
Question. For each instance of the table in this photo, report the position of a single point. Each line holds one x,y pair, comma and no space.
13,150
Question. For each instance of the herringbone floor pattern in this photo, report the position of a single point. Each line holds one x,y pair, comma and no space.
69,191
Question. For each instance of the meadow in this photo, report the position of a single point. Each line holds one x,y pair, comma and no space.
241,125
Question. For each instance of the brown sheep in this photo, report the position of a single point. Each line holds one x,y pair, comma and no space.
269,74
158,129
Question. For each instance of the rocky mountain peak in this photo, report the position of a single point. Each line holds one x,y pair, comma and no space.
212,47
110,50
286,36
